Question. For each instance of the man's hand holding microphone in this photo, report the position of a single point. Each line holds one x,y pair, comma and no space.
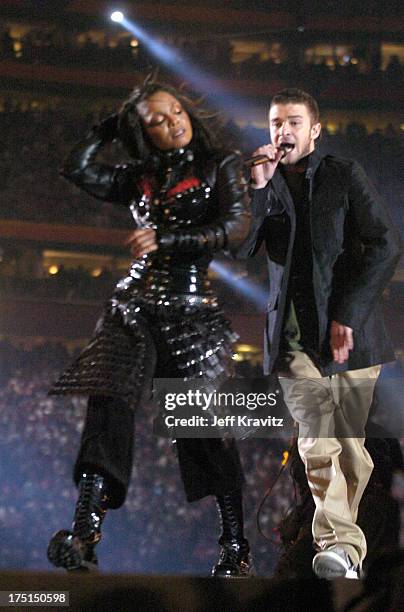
264,161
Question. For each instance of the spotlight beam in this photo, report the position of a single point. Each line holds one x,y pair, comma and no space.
208,85
251,291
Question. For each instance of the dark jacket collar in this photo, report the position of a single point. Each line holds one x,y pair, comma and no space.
279,184
314,162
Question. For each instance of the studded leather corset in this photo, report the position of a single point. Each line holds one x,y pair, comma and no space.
195,211
197,207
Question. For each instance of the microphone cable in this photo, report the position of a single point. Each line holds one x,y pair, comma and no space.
268,492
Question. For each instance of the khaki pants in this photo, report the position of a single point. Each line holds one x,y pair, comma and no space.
332,412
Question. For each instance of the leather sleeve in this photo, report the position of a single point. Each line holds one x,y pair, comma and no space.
232,223
380,252
101,180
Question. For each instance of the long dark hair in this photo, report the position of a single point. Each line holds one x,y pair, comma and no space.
133,135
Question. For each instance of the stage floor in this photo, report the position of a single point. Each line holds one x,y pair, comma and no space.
120,592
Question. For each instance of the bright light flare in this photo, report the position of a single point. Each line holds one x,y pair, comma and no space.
117,16
250,290
169,56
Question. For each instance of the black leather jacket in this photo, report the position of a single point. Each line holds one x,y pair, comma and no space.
197,207
355,248
218,217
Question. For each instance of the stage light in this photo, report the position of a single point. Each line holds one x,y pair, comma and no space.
255,293
207,84
117,16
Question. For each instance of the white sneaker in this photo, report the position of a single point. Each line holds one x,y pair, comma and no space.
334,563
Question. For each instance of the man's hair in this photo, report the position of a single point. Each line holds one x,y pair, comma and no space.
298,96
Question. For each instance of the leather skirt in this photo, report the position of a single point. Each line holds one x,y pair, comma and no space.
193,337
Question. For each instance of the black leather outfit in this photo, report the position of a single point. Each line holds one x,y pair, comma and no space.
163,319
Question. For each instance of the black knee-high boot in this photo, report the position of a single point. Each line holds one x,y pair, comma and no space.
235,559
75,550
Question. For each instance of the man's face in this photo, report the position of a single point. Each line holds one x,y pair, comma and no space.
292,123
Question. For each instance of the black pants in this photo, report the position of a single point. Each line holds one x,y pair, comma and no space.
208,466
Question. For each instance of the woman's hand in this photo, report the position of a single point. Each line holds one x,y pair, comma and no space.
142,242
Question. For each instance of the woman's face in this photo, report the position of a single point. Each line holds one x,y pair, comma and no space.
166,121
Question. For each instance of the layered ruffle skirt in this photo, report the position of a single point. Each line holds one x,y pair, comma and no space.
191,330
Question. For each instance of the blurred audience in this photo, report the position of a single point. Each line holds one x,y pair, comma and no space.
35,141
122,52
38,438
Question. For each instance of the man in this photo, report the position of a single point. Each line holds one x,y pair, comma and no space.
331,251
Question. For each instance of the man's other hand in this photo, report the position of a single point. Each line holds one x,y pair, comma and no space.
341,341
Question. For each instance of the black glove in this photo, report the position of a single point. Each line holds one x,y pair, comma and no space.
107,130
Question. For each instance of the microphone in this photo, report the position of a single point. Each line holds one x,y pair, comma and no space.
257,160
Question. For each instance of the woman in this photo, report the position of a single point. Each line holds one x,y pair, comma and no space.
188,201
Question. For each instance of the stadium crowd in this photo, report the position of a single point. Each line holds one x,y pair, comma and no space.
108,50
34,142
156,531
